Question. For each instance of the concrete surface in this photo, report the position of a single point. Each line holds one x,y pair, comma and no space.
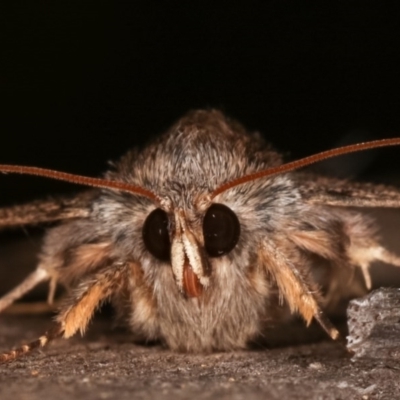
106,365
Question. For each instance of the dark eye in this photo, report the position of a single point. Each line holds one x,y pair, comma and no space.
221,230
156,236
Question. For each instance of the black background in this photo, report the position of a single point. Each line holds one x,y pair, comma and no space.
81,83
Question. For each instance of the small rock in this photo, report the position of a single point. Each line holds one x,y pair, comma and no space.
374,325
315,365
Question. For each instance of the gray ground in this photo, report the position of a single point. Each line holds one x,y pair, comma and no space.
105,364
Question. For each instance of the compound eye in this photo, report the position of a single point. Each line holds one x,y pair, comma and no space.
221,230
156,236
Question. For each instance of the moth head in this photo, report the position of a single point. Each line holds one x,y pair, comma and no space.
169,237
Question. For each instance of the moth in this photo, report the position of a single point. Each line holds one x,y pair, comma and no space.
204,239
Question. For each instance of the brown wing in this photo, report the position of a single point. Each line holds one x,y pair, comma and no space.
342,193
50,210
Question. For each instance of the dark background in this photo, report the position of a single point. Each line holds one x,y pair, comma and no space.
81,83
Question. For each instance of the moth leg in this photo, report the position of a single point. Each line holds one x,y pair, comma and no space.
364,256
32,280
55,332
79,309
295,287
88,296
52,290
66,258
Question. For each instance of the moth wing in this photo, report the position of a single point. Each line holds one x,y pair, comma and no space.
44,211
321,190
38,212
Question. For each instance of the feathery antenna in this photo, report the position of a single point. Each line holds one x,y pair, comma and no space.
303,162
79,180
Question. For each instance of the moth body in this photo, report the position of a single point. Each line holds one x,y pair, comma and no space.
201,270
